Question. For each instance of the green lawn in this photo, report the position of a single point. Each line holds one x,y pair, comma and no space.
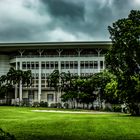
28,125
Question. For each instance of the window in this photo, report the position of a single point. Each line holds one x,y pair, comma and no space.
101,64
49,97
62,65
43,83
28,65
82,65
71,64
95,64
30,95
47,65
75,64
91,64
43,75
56,65
43,65
23,65
86,64
37,65
67,64
32,65
52,65
37,75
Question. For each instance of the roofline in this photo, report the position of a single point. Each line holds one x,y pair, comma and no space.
56,43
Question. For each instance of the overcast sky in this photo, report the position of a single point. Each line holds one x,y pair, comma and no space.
60,20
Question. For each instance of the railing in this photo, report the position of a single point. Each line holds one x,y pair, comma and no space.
44,56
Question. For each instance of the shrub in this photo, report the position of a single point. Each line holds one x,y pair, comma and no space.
53,105
108,109
6,136
43,104
24,103
66,105
59,105
117,108
36,104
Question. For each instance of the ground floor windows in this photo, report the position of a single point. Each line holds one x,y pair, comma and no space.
50,97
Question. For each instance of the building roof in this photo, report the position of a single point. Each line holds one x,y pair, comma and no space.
7,47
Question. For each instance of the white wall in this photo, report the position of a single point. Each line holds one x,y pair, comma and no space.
4,64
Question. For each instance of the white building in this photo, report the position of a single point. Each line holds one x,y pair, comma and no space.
80,58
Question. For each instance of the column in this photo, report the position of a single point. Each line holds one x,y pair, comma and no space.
98,51
79,68
39,82
16,91
79,54
58,94
20,85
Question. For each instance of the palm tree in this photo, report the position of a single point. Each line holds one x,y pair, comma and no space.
13,77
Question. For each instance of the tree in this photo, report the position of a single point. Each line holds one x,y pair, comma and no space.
54,81
112,93
13,77
99,82
69,88
123,59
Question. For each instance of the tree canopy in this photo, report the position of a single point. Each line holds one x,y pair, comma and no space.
123,58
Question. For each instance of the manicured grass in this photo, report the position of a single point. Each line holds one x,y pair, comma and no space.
28,125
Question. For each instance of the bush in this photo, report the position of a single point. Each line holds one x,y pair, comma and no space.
43,104
53,105
6,136
36,104
117,108
24,103
66,105
108,109
59,105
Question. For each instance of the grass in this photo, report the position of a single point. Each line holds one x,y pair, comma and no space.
28,125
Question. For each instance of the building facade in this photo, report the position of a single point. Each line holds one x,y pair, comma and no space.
79,58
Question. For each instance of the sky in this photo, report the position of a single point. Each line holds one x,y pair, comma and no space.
60,20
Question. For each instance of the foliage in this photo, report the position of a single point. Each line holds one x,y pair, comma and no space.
117,108
43,104
6,136
12,78
123,60
112,93
99,82
83,90
36,104
53,79
53,105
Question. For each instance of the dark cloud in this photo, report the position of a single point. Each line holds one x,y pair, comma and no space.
60,20
65,9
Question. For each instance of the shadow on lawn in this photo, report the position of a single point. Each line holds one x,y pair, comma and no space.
53,137
59,137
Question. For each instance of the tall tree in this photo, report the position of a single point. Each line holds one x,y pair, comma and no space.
123,59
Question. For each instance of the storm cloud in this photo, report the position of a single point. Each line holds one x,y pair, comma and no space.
60,20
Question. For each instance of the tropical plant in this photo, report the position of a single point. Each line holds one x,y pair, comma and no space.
13,77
